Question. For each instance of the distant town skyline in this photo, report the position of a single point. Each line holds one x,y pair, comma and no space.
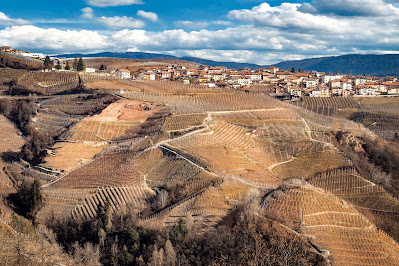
251,31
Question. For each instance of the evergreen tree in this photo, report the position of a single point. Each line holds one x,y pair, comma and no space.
300,70
47,62
67,67
293,69
58,66
140,261
75,63
35,197
81,65
103,67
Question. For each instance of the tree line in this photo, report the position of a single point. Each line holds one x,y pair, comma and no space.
77,65
241,239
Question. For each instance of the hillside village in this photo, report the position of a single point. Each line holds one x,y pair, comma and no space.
285,84
292,84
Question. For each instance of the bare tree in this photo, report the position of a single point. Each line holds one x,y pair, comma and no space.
170,254
101,236
157,257
89,254
163,197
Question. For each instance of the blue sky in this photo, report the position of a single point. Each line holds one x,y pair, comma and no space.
262,32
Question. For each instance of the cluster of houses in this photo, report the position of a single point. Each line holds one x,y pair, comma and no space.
284,83
291,84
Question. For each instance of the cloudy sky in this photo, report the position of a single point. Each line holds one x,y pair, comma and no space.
253,31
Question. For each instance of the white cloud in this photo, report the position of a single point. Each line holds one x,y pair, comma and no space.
266,35
287,16
148,15
105,3
36,38
87,12
351,7
113,22
201,24
121,22
7,21
221,22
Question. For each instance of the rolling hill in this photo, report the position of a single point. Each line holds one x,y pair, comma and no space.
139,55
372,65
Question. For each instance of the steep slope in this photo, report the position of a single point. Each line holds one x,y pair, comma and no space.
336,228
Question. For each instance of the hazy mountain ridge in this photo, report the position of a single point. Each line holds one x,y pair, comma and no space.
372,65
139,55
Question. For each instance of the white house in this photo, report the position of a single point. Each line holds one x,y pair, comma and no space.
315,93
328,78
346,86
294,91
337,91
123,74
90,70
149,76
166,75
273,69
366,91
217,77
255,76
311,83
244,82
360,81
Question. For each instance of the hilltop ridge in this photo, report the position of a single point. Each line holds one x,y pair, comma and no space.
355,64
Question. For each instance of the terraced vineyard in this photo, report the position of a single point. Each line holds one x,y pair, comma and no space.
200,155
212,138
19,61
10,141
10,137
328,106
335,227
384,125
379,115
350,186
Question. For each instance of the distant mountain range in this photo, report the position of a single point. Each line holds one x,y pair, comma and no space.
372,65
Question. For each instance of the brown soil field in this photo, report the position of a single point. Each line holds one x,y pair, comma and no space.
69,155
113,122
126,111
